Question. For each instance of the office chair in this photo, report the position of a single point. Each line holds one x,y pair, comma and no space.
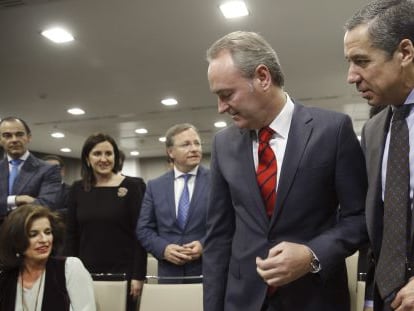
110,291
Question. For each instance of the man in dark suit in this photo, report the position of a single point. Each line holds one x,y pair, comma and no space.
379,46
174,239
281,247
62,198
34,180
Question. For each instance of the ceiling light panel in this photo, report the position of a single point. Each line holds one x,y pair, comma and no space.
233,9
57,35
169,102
141,131
76,111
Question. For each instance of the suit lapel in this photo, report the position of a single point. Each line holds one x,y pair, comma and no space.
170,196
26,173
199,188
299,134
245,156
373,146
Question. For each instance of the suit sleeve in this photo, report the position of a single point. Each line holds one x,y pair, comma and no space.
220,231
50,187
350,185
147,231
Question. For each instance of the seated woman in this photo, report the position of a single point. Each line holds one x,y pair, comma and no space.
30,278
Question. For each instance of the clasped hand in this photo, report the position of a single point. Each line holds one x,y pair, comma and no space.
181,254
285,263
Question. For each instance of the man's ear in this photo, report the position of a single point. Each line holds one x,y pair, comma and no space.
170,153
263,76
406,52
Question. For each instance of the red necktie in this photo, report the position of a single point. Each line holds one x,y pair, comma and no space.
267,170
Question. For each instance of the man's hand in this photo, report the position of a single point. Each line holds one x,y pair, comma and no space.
23,199
285,263
176,254
404,300
193,249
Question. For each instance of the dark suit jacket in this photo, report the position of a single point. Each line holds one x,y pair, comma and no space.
36,178
323,168
158,227
374,135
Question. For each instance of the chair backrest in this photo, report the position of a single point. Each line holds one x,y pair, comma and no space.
356,288
352,269
110,292
172,297
152,270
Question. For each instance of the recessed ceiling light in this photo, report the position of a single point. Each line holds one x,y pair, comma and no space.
134,153
233,9
57,35
220,124
66,150
141,131
76,111
162,139
57,135
169,102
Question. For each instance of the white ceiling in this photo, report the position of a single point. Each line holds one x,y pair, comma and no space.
130,54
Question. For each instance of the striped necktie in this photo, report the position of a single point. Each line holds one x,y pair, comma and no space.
267,170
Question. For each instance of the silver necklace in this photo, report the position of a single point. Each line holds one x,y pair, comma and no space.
24,305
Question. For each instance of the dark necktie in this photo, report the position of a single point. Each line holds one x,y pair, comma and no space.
13,173
267,170
390,270
184,203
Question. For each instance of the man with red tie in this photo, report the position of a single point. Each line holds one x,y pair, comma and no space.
288,186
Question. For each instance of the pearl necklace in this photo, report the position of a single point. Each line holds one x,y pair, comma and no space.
24,305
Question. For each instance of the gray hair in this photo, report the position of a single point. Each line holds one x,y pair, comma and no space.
389,22
249,50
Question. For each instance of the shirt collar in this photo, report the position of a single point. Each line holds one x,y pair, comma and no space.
282,121
23,157
410,98
178,173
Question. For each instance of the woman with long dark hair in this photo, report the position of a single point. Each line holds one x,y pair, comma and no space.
103,210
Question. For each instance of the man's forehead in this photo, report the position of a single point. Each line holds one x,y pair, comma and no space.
13,126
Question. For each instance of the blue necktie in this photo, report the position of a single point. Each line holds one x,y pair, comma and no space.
13,172
184,203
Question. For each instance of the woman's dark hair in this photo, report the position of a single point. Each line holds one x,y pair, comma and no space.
14,233
88,177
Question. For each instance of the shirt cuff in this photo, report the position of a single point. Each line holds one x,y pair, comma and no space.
11,201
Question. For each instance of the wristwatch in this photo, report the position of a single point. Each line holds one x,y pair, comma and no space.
315,264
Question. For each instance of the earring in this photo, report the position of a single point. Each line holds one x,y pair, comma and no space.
17,255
